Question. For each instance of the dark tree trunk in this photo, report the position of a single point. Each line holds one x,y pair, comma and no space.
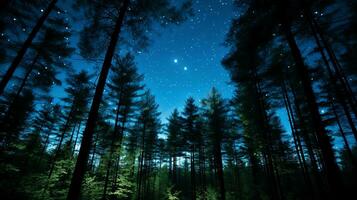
141,174
343,135
94,152
297,142
174,171
76,139
81,165
220,175
332,170
72,135
193,173
21,53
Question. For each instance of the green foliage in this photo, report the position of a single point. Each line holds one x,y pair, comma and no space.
125,185
209,194
171,194
91,188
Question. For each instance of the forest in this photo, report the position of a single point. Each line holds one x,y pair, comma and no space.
288,131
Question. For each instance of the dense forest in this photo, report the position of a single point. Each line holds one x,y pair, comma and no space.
290,62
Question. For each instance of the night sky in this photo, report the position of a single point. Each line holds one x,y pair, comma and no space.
183,60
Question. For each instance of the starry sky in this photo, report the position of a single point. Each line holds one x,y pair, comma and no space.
185,60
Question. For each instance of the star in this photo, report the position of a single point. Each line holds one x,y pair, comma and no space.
175,60
185,68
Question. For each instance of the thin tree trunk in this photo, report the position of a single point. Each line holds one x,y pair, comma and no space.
76,139
81,165
332,170
193,173
72,135
21,53
343,135
94,152
219,166
299,151
141,163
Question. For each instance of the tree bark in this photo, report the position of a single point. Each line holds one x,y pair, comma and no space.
81,165
21,53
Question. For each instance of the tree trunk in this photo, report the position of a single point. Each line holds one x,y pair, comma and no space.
343,135
193,173
76,139
332,170
21,53
72,135
219,166
141,163
297,142
81,165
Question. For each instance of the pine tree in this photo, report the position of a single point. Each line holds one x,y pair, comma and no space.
124,86
191,133
215,113
148,126
174,143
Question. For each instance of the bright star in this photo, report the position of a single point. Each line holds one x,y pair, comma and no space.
185,68
175,61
